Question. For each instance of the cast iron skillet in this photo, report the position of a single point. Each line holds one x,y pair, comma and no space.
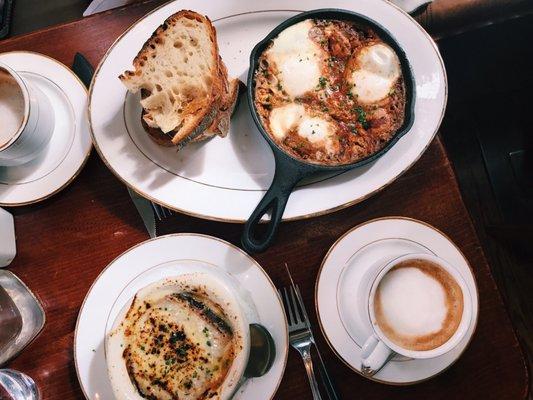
290,170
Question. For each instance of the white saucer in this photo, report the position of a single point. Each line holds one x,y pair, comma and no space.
70,145
156,259
346,325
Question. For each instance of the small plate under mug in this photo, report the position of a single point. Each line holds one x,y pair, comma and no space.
69,148
346,325
168,256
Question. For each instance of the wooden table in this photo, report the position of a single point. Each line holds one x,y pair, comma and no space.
64,242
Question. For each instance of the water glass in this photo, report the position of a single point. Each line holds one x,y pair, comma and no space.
15,385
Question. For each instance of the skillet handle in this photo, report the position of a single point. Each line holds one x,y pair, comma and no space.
286,177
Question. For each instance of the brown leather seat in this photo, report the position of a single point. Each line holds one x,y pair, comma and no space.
448,17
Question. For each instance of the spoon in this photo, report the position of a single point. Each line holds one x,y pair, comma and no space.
262,355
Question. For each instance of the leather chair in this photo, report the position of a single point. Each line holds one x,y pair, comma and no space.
449,17
441,17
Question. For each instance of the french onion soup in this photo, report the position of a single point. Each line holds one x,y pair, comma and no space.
330,92
181,338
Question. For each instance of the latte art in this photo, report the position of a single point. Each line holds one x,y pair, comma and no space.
11,107
418,305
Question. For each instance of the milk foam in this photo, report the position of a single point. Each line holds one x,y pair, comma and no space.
413,303
11,107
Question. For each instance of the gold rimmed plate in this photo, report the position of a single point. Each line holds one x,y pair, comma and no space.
224,179
157,259
70,145
346,325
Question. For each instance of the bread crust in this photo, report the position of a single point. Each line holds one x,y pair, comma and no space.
201,113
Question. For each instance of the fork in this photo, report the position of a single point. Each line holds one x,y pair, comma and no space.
300,336
160,211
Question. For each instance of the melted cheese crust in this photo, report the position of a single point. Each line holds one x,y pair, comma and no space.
174,347
182,338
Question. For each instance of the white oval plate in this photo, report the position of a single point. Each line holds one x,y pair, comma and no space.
346,325
224,179
70,145
156,259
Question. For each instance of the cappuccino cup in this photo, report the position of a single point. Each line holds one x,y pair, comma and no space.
419,307
26,119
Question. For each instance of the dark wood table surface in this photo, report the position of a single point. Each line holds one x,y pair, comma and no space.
64,242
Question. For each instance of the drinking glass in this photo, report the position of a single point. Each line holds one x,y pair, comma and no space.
15,385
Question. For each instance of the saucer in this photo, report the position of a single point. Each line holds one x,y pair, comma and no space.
168,256
346,325
70,145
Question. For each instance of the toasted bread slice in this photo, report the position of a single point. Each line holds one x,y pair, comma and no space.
183,81
221,122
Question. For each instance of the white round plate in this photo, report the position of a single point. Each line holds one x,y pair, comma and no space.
346,325
156,259
237,170
70,145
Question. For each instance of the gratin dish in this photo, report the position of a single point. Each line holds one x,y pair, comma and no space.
290,170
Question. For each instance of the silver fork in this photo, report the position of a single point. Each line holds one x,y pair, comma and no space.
300,336
160,211
326,379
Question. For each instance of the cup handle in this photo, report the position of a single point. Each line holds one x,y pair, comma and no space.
374,355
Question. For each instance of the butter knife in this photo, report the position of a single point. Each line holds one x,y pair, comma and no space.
85,71
144,207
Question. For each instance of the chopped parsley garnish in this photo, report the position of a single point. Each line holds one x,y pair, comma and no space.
208,343
170,361
182,350
322,82
177,336
279,86
361,116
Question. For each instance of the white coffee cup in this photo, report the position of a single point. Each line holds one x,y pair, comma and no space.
379,349
30,138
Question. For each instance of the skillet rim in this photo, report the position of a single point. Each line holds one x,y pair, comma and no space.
385,36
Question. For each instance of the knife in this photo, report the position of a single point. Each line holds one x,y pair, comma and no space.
144,207
85,71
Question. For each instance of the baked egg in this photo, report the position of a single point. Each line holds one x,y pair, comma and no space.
375,70
297,58
329,91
